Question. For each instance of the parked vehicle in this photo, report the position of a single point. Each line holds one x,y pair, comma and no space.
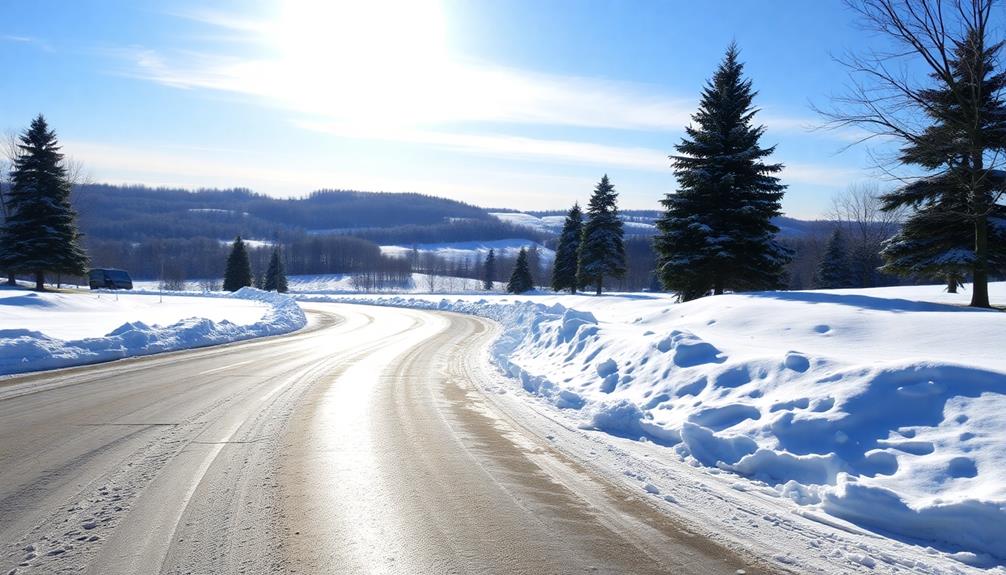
103,278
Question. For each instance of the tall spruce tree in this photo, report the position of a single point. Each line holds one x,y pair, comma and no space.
275,275
716,233
489,270
956,228
602,249
520,280
40,234
238,273
833,271
568,251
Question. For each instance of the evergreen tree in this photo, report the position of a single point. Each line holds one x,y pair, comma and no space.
520,280
238,273
39,234
567,252
716,233
956,227
534,261
601,250
489,270
275,276
833,271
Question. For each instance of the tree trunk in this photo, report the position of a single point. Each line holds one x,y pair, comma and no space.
598,285
717,286
980,274
39,281
11,279
951,284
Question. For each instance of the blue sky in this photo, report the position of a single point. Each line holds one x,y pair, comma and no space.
518,104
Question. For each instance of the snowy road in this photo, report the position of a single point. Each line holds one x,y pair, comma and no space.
361,445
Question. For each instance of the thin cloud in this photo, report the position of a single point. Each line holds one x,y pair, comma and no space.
30,40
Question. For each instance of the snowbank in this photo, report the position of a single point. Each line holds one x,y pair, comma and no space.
876,407
23,350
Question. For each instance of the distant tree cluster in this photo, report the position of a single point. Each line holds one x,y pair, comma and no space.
591,250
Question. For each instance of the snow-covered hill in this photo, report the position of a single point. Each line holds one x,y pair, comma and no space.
883,408
553,224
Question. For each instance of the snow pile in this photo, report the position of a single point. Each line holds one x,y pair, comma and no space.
68,315
873,406
23,350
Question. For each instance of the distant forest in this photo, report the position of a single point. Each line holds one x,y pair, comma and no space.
136,213
175,234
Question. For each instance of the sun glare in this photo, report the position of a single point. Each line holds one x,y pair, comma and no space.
377,61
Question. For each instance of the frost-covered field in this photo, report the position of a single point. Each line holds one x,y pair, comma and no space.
871,412
50,330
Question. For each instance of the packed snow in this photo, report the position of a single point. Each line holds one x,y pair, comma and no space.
881,409
51,330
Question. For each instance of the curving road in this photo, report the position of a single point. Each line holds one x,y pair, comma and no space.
361,444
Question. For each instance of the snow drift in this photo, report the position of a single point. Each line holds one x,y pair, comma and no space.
24,350
881,410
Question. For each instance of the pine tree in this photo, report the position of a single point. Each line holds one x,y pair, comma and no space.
520,280
717,233
40,234
489,270
567,252
238,273
275,275
602,250
534,261
956,228
833,271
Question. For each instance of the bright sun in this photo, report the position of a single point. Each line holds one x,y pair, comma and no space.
368,61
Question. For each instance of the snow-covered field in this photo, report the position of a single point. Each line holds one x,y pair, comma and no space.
78,315
50,330
471,251
343,283
873,415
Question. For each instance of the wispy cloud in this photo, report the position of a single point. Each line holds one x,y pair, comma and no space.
379,66
30,40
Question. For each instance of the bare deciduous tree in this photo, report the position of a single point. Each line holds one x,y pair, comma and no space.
866,225
950,39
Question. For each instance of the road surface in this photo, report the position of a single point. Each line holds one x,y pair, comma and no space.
359,445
